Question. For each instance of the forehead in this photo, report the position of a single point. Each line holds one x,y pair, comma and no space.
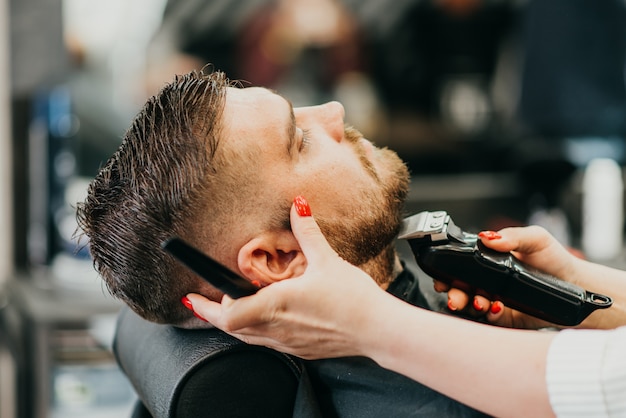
255,121
254,100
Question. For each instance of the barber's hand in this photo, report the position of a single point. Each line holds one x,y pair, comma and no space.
315,315
532,245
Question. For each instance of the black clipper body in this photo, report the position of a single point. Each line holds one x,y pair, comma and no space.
450,255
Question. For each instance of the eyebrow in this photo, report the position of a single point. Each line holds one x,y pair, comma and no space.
291,128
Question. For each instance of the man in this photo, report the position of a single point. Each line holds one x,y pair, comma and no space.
219,166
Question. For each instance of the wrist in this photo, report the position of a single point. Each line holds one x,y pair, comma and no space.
387,326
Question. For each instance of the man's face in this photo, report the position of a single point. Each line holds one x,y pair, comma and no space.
355,190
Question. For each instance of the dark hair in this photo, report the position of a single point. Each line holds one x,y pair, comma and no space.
151,189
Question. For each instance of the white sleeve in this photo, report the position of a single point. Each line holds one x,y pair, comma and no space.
586,373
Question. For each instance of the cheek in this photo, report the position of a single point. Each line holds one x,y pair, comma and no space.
341,196
332,182
334,167
335,178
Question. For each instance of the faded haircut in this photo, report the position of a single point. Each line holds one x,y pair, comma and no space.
151,188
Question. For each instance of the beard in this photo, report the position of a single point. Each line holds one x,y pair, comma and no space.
366,239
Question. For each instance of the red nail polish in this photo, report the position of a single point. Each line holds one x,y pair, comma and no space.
451,306
496,307
185,300
477,305
199,317
302,206
489,235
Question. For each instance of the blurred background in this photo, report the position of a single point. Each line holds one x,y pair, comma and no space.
499,107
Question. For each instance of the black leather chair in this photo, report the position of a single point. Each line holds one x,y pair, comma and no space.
197,373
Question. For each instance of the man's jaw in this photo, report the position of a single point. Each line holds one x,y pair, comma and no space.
384,267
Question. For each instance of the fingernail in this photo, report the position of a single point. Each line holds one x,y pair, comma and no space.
451,306
185,300
496,307
302,206
489,235
199,317
477,305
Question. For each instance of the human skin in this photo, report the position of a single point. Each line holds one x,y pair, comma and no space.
536,247
319,315
285,151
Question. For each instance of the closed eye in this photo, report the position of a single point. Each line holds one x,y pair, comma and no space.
306,139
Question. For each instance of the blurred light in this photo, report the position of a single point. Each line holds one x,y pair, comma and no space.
100,27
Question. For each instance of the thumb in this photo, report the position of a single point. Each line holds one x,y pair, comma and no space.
525,240
308,233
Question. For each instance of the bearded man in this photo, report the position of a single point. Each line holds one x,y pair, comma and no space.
219,166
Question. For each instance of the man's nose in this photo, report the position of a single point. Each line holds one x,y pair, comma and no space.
329,116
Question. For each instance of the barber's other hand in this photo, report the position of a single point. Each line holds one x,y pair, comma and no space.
312,316
532,245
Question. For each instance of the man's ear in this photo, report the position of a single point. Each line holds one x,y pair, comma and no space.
271,257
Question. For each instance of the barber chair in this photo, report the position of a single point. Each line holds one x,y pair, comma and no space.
197,373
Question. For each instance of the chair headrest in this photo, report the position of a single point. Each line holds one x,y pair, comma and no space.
178,372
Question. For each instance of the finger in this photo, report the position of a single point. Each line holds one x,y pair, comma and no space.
528,239
457,299
222,315
440,286
496,312
307,232
481,304
503,316
525,240
205,308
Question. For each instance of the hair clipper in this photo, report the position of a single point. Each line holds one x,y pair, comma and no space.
460,259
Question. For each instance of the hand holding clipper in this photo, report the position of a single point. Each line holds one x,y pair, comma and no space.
448,254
